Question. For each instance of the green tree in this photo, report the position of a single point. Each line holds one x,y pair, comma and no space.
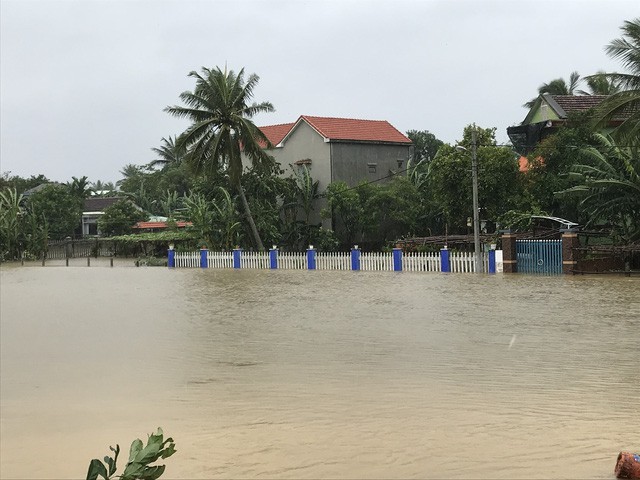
170,152
557,86
609,186
625,103
120,218
21,184
550,163
80,187
11,213
499,185
103,189
346,208
600,84
222,130
425,145
58,207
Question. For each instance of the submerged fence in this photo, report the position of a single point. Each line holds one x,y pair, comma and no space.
443,261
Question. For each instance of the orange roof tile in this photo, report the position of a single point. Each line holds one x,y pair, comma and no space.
356,129
344,129
275,133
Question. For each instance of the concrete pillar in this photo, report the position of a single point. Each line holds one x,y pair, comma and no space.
570,241
355,258
236,257
492,259
311,258
397,259
171,257
445,264
509,258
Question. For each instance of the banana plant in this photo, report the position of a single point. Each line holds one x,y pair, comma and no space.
140,459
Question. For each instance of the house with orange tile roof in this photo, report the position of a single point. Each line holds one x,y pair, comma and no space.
340,149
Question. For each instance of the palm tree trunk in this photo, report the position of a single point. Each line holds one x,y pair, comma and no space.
252,224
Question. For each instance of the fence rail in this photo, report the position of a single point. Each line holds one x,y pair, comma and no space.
458,262
57,249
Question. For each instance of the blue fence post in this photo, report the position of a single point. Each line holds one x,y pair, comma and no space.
311,258
273,258
355,258
203,258
445,264
171,257
397,259
492,258
237,252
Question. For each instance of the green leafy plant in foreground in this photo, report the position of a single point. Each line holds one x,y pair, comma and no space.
140,457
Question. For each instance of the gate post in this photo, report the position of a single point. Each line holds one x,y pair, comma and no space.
509,256
570,241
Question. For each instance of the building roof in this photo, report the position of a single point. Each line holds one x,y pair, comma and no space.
566,104
275,133
98,204
340,129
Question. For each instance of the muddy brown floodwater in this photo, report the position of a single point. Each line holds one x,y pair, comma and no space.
297,374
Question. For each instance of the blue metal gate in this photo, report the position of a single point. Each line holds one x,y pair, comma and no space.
543,257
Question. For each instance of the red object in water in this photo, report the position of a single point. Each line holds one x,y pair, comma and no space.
628,466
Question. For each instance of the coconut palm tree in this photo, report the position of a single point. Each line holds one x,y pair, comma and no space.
222,130
624,105
609,185
600,84
557,86
170,152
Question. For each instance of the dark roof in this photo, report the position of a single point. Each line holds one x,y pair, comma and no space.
574,103
98,204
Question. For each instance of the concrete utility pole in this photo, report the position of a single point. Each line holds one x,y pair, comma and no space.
476,208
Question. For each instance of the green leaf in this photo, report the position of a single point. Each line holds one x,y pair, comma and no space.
136,447
152,473
170,450
96,468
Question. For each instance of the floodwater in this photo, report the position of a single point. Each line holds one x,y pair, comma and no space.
297,374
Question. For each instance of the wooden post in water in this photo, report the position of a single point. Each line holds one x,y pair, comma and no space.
509,255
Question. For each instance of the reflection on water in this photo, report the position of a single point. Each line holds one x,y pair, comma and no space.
319,374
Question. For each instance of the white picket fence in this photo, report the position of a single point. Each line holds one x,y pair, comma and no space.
460,262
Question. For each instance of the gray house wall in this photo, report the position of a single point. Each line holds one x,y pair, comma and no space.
305,143
356,162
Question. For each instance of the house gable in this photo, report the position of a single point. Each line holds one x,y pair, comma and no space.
333,129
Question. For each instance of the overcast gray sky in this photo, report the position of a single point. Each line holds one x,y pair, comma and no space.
83,83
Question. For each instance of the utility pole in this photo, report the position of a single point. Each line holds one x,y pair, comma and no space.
476,209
